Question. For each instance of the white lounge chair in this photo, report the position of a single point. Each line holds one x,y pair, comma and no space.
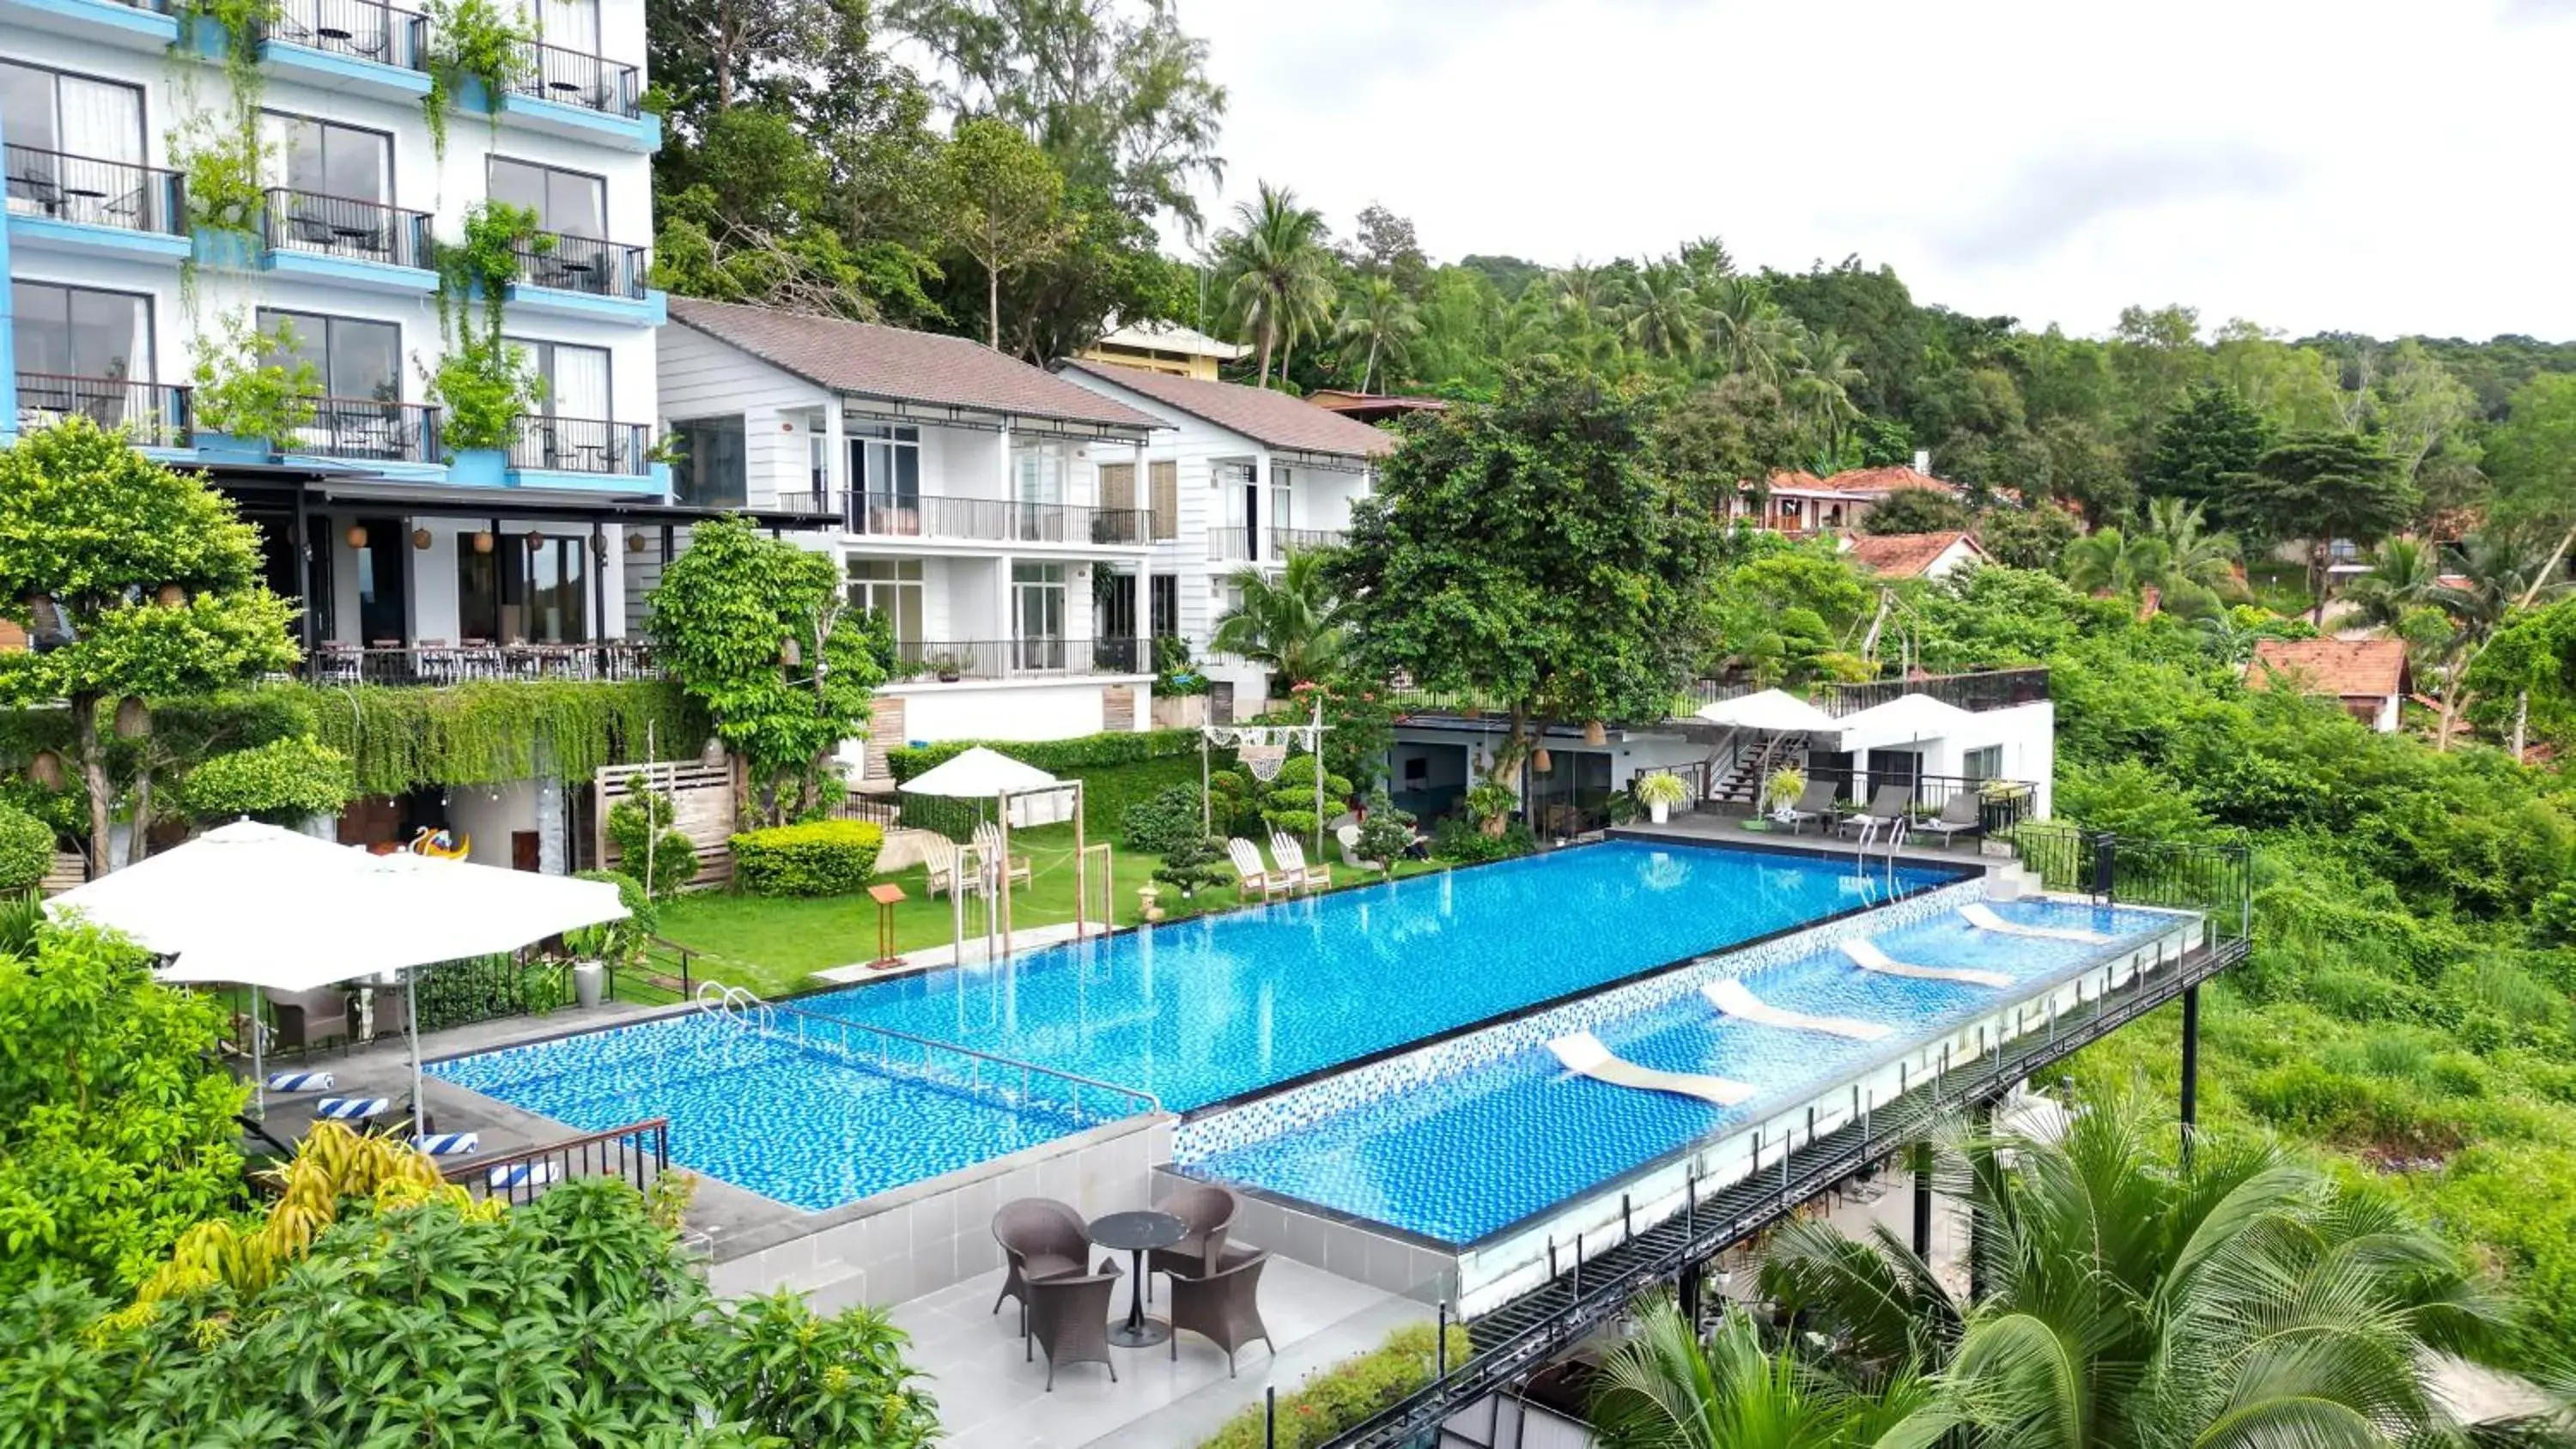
1983,917
988,842
939,859
1737,1000
1866,955
1293,869
1250,872
1584,1054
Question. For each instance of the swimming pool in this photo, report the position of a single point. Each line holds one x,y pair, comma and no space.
1196,1012
1461,1157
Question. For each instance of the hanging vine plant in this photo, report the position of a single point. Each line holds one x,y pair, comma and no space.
484,381
217,148
400,739
485,40
242,392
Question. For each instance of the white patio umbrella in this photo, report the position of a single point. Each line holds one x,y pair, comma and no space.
1769,709
978,773
1908,716
263,907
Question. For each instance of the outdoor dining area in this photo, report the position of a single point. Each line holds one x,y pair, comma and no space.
1065,1301
435,662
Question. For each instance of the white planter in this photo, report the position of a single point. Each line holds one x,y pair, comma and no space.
1659,812
588,979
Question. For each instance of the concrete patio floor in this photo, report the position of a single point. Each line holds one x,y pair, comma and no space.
993,1396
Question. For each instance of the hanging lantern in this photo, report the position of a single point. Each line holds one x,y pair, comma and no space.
420,538
171,596
46,769
357,535
1541,760
788,653
482,541
634,541
1596,733
133,721
536,540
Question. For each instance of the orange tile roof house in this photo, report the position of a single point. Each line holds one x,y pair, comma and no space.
1802,502
1913,555
2368,675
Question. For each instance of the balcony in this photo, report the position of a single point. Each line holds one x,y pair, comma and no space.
432,663
583,276
140,25
155,415
61,201
1976,692
349,45
582,445
342,239
973,520
1235,544
586,97
986,660
382,432
1284,541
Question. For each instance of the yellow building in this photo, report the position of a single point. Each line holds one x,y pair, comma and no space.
1164,347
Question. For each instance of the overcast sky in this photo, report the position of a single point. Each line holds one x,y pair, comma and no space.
2362,165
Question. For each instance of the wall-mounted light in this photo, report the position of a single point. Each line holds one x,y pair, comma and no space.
536,540
634,541
357,535
482,541
420,538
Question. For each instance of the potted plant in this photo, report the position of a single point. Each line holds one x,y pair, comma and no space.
1659,793
1781,790
946,668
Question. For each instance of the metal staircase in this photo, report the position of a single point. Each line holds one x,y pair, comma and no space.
1739,781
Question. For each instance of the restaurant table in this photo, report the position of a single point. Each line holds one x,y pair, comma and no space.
1135,1233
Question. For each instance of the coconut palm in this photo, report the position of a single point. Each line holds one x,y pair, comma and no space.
2403,574
1662,315
1289,623
2499,571
1666,1389
1820,390
2107,561
2196,556
2236,1298
1382,317
1276,273
1748,332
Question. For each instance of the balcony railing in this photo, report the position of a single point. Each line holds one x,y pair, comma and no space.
976,520
1285,540
582,264
949,661
570,78
388,432
90,192
154,415
1229,543
581,445
343,226
1984,690
363,29
434,662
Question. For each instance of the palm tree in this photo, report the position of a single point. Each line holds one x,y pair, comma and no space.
2106,561
1382,316
1662,316
1665,1389
1748,332
1291,623
2200,565
1276,272
1820,390
2500,573
2403,574
2233,1298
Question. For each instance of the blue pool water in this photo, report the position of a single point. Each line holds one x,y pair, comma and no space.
1195,1013
1207,1010
1427,1160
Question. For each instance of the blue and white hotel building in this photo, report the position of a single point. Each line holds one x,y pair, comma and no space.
415,562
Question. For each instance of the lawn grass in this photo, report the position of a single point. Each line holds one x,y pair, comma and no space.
773,945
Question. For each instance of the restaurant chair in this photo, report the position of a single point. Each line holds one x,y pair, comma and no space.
306,1019
1069,1318
1207,1212
1041,1238
1223,1306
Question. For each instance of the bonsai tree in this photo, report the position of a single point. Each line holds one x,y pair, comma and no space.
1386,832
1196,861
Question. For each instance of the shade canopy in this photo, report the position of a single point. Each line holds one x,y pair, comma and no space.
258,905
979,773
1769,709
1908,716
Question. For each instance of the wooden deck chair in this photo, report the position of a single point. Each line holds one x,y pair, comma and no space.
988,839
939,859
1293,871
1249,871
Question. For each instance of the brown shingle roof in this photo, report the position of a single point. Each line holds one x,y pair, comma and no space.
901,366
1272,419
2347,668
1904,555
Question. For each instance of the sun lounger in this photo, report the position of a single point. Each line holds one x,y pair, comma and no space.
1983,917
1250,872
1293,868
351,1109
1961,814
1816,803
299,1082
1584,1054
449,1144
1866,955
1886,812
1736,1000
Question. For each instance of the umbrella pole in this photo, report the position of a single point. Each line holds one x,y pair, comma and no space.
258,1072
411,1028
1003,869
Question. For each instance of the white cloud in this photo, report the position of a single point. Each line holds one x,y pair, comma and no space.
2373,165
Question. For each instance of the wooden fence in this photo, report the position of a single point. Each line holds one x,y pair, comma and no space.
701,796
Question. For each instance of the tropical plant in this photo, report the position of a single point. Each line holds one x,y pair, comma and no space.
26,852
1381,318
1289,623
2199,565
1916,510
1667,1387
1661,788
1782,787
485,41
650,846
1662,316
620,942
1386,832
2107,561
2403,574
2499,572
1275,273
253,384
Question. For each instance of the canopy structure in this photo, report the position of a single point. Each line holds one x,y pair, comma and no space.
1769,709
978,773
264,907
1908,716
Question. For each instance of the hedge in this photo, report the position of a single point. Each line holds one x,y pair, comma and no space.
282,781
1349,1393
1056,757
26,850
817,858
1118,772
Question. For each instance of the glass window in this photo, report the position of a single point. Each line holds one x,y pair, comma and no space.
478,591
569,24
81,332
356,359
891,588
567,202
76,115
558,591
711,471
885,460
576,378
1037,593
327,159
1038,473
1983,764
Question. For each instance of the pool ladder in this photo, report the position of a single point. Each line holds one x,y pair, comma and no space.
736,1005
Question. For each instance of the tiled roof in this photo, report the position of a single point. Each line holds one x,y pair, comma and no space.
1272,419
1905,555
1878,482
901,366
2347,668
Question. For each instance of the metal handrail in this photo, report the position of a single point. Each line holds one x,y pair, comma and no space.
1147,1101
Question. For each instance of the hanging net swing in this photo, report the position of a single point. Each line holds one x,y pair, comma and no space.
1263,760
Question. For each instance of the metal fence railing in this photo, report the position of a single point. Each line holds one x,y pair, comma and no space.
433,663
948,661
2213,878
344,226
361,29
1982,690
589,264
581,445
354,427
572,78
978,520
634,1154
153,414
88,191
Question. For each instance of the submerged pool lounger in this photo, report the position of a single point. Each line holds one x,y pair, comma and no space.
1983,917
1583,1053
1866,955
1736,1000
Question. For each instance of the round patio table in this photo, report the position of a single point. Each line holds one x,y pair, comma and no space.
1134,1233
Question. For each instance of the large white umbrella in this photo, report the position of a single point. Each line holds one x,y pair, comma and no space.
1908,716
978,773
1769,709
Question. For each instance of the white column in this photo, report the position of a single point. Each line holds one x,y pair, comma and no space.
1006,628
1257,518
1145,566
836,451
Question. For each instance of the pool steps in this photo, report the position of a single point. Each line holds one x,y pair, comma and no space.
1864,953
1733,998
1583,1054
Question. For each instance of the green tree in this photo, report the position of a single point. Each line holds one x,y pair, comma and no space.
2323,487
286,781
2204,450
1290,624
1526,551
2532,457
2403,574
116,1121
1915,510
1381,318
2499,573
1665,1387
1003,206
141,583
2085,469
2026,538
2200,563
2107,561
755,629
1275,273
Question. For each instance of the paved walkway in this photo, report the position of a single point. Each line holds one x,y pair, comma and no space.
1027,938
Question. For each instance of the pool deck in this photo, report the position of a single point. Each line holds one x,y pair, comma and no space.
1716,827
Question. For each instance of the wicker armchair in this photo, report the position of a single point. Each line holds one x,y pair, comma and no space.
1208,1212
1222,1306
306,1019
1069,1318
1041,1238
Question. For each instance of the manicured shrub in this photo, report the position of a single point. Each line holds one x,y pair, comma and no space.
1386,832
818,858
1163,821
1454,839
1119,771
641,826
282,782
1347,1394
26,850
1194,864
